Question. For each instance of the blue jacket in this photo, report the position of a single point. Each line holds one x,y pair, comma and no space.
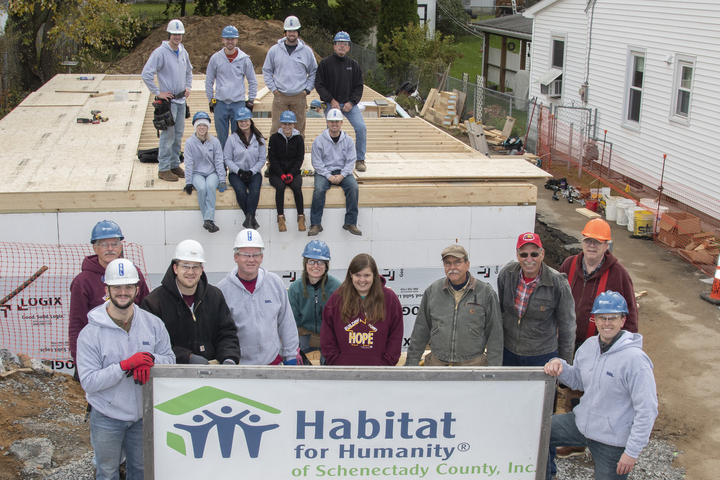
102,345
290,74
620,403
203,158
174,71
328,156
239,157
229,77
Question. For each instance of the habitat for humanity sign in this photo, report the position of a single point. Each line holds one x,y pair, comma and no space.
310,427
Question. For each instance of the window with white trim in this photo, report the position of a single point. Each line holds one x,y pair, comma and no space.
634,80
558,53
682,87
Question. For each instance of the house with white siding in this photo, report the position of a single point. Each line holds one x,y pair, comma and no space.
652,70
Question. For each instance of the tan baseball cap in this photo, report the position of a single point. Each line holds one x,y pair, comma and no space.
455,251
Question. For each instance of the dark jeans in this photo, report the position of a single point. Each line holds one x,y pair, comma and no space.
512,360
247,194
295,186
322,185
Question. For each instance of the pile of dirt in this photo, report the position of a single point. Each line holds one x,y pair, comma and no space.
202,39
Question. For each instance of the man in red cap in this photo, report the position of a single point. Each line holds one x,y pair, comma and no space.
537,307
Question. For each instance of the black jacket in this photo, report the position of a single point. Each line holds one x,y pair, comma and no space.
208,331
286,155
339,78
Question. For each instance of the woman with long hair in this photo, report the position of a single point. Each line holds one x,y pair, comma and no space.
286,152
309,294
244,155
362,321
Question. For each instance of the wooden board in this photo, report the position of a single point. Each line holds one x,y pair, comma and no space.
587,213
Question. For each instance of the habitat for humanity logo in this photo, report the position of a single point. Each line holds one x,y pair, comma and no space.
232,413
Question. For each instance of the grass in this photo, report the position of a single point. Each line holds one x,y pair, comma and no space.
471,48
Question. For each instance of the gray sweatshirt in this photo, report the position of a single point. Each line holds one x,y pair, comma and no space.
229,77
264,319
102,345
328,156
239,157
203,158
290,74
174,71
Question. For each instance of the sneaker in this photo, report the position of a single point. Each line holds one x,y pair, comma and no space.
352,229
314,230
360,166
253,223
567,452
178,171
168,176
212,227
206,225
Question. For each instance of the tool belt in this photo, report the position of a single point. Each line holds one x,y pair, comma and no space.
314,337
163,115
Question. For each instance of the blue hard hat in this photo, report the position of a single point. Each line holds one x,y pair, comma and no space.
341,37
318,250
230,32
200,115
106,229
316,103
243,114
288,117
610,302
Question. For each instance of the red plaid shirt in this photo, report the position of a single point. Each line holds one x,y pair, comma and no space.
523,292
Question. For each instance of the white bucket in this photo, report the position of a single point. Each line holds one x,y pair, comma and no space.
611,210
631,216
622,216
121,95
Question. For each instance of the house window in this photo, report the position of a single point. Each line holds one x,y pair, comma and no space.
558,53
634,87
682,87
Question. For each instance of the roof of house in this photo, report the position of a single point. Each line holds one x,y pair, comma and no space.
516,26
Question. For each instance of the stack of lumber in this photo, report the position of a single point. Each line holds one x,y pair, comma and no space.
443,108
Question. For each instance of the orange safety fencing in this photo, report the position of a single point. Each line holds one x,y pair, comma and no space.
35,296
681,219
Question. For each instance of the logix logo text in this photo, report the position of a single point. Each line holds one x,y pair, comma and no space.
228,412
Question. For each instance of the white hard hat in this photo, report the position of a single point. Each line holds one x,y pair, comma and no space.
176,27
334,115
291,23
121,272
249,238
189,251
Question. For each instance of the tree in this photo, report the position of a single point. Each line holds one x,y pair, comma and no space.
410,55
42,25
451,18
395,14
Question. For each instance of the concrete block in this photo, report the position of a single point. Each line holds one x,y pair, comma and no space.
502,221
426,223
31,228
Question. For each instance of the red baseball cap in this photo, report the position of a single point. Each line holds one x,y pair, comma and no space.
528,237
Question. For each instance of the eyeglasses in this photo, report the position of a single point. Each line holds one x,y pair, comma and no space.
455,263
122,288
248,256
593,242
111,244
316,262
342,44
187,266
534,254
607,318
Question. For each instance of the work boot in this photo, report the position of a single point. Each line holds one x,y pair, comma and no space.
253,222
301,223
281,223
352,229
314,230
247,223
360,166
210,226
181,173
567,452
168,176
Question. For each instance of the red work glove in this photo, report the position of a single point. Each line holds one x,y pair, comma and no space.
288,178
140,358
141,374
283,177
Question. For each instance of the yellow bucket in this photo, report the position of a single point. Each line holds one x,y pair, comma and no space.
643,223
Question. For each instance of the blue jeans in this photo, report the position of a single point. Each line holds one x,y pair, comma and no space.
224,115
564,432
247,194
170,139
108,437
357,121
322,184
205,187
512,360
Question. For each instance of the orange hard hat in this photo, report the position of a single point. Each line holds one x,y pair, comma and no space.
598,229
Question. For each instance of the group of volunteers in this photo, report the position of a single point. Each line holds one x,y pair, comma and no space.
240,151
579,323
